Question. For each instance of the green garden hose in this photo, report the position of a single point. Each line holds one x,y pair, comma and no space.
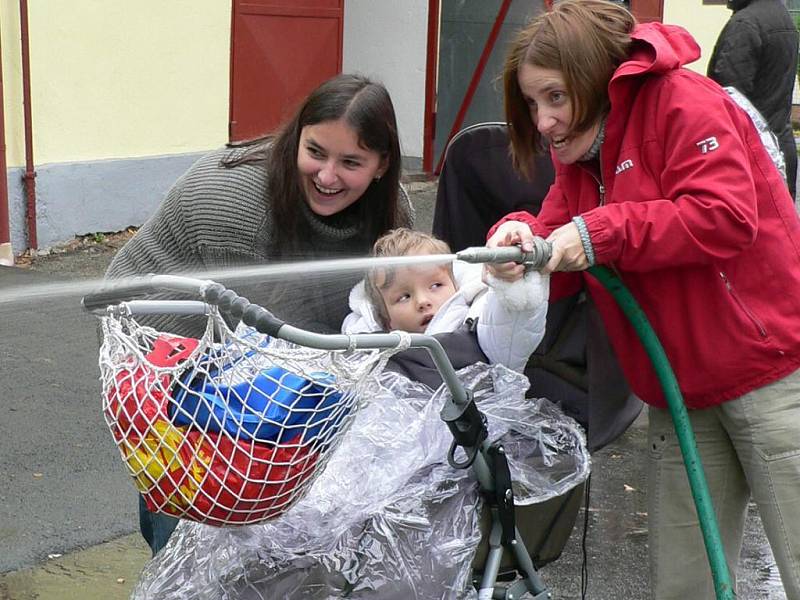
683,428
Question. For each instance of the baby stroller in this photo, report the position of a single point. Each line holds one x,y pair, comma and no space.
267,425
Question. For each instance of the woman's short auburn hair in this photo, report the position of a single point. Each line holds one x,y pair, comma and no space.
584,39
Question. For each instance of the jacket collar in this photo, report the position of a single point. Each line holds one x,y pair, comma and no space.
657,49
736,5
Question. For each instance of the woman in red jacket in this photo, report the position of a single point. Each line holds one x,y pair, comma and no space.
661,176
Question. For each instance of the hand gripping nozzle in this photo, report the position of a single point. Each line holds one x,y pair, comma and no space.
535,259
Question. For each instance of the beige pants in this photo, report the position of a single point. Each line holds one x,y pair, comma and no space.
748,446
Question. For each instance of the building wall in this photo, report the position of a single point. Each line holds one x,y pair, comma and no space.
12,83
124,96
703,21
387,41
113,78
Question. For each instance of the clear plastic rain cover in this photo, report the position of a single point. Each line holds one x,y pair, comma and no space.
388,518
768,138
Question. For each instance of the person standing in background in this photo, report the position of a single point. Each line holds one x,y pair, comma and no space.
756,53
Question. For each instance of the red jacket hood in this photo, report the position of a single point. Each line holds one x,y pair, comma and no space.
658,48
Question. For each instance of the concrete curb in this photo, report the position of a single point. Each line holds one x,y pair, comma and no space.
104,572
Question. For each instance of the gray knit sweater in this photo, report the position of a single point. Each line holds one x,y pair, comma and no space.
216,217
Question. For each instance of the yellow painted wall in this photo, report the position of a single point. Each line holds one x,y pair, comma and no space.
12,83
704,22
119,79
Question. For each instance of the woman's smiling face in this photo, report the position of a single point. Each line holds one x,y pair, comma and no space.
335,169
551,112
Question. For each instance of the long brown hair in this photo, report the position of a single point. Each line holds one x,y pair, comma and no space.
586,40
366,107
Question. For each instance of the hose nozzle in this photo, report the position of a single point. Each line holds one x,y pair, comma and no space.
535,259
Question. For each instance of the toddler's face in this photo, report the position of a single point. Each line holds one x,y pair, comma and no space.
415,295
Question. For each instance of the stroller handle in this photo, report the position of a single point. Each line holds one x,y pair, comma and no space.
240,308
114,292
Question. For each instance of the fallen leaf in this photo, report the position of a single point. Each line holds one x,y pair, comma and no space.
628,488
635,532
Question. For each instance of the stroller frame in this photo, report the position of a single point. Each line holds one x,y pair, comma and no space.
465,421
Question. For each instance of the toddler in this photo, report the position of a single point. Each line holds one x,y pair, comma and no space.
507,318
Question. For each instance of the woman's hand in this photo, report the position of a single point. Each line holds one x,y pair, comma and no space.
510,233
568,252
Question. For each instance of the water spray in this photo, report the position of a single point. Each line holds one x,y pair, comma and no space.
535,259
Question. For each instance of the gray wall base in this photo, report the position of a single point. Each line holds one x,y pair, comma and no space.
75,199
79,198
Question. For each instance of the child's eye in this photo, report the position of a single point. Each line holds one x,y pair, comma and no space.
352,164
313,151
557,97
402,298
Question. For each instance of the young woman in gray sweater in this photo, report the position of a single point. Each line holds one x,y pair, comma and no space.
326,185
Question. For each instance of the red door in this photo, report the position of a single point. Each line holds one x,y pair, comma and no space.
280,51
648,10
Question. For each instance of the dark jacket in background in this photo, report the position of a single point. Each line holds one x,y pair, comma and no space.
757,54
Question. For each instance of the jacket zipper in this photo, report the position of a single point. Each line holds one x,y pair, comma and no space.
600,184
761,330
602,191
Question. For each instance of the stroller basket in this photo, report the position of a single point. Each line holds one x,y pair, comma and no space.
226,432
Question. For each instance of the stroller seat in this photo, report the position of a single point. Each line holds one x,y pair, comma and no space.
478,185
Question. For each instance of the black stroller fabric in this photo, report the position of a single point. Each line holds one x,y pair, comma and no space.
574,365
461,347
478,185
575,361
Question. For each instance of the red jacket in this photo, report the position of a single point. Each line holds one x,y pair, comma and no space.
696,220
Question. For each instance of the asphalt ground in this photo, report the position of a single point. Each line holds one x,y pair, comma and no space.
68,528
